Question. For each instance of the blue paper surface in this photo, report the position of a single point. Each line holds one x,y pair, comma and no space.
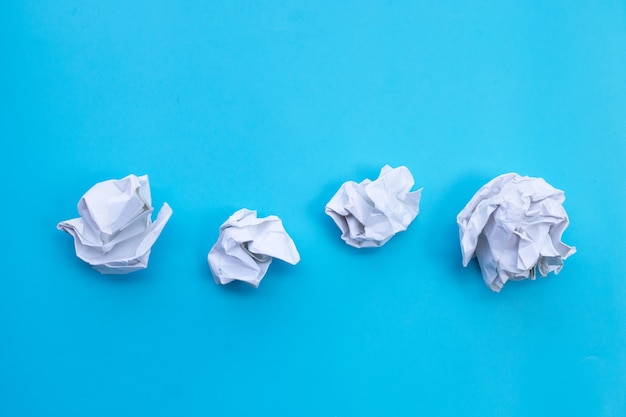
271,107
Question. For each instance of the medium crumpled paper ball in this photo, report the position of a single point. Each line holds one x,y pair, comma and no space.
513,226
246,247
115,232
369,213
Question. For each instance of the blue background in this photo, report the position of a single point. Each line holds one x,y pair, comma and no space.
271,106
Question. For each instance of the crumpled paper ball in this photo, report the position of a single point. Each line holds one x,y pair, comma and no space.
513,226
369,213
115,232
246,246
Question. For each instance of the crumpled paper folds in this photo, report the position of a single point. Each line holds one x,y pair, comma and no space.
115,232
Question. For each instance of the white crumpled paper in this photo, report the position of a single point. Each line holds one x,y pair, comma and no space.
513,225
114,232
369,213
246,246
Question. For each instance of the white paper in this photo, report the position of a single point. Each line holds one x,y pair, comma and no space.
513,225
369,213
115,232
246,246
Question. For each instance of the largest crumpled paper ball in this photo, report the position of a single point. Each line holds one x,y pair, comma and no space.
115,232
513,225
369,213
246,246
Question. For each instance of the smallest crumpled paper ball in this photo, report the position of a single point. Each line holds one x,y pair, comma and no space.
513,226
115,232
246,246
369,213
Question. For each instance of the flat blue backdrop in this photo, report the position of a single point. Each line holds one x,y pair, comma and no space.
271,106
